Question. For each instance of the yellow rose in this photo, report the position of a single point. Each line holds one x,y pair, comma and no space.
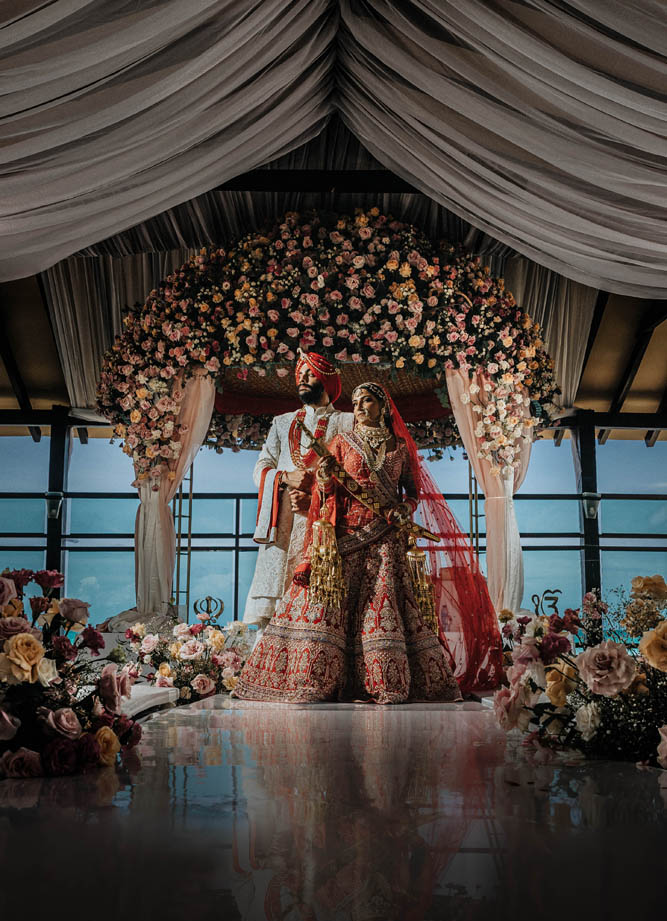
216,640
560,681
507,341
652,645
272,333
231,682
432,362
418,358
107,739
142,393
24,653
164,669
414,341
14,608
653,586
405,270
400,362
135,415
249,359
174,650
392,265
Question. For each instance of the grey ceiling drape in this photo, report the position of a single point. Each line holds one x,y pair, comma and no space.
540,123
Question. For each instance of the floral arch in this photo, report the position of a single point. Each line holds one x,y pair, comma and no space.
209,357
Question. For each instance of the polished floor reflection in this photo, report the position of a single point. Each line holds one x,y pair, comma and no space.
256,811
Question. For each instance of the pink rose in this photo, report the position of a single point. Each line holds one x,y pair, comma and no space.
607,668
21,763
507,706
231,659
7,591
202,685
74,610
181,630
662,747
191,650
62,722
10,626
149,643
126,678
109,689
9,726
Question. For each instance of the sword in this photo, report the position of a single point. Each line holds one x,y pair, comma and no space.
367,498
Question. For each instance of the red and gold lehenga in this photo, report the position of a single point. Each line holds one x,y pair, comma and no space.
376,645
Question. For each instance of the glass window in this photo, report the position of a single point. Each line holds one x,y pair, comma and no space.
101,516
212,573
25,464
99,467
23,516
547,515
230,471
551,469
619,567
248,516
629,466
212,516
633,516
552,569
450,473
23,559
105,579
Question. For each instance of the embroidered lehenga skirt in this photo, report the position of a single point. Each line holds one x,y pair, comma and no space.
376,646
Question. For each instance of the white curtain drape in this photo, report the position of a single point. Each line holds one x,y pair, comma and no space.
155,539
504,559
564,309
541,123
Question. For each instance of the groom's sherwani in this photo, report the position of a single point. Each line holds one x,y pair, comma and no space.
280,531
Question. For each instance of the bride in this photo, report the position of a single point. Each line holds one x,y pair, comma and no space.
367,639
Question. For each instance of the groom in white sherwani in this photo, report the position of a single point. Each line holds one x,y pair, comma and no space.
284,476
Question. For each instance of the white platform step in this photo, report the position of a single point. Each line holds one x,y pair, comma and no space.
147,697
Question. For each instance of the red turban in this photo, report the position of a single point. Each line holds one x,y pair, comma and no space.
323,370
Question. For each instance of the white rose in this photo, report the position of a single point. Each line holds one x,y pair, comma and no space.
587,719
465,398
139,629
181,630
47,672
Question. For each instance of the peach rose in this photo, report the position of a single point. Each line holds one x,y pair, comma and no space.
607,668
653,646
216,640
24,653
561,679
109,745
164,669
653,586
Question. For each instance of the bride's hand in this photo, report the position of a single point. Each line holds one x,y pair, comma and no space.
400,514
326,468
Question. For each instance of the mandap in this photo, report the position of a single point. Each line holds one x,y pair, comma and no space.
209,357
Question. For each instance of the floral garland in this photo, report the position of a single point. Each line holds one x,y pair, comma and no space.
608,701
364,289
58,713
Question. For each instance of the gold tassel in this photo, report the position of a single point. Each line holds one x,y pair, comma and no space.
326,567
422,584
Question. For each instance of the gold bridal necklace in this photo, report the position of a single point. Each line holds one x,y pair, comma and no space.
374,440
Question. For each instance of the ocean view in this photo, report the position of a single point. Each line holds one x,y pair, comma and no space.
99,564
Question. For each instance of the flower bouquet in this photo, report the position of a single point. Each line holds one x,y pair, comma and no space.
200,659
59,714
608,700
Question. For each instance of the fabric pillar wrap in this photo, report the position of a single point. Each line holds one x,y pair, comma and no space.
155,537
504,559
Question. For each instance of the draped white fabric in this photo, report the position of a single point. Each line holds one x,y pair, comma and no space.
564,309
154,535
541,123
113,111
504,560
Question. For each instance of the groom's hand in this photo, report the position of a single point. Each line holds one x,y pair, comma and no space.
300,501
298,479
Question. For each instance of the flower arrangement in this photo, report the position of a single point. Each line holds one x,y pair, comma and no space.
360,288
608,700
58,715
200,659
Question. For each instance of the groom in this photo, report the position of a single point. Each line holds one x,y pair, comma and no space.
284,477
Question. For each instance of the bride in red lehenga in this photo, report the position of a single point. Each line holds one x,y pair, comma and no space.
375,644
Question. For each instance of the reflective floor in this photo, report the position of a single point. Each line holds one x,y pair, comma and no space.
256,811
